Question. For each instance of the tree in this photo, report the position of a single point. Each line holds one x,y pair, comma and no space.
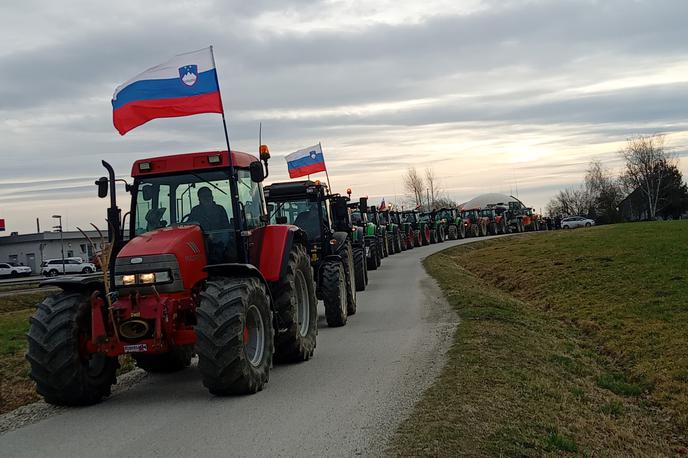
673,200
605,193
445,202
571,201
413,183
432,186
648,166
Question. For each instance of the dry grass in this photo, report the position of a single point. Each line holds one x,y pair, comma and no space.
570,344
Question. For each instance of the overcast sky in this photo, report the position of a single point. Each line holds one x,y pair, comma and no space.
496,96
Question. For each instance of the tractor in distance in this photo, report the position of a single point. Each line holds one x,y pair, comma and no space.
475,225
405,230
496,223
421,230
202,272
451,219
381,230
390,220
324,218
373,243
437,233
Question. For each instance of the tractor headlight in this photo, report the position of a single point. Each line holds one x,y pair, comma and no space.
145,278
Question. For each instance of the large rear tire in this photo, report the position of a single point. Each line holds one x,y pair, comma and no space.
441,234
174,360
493,228
65,374
297,309
360,269
372,258
333,289
453,232
235,336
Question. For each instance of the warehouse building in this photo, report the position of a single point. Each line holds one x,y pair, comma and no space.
32,249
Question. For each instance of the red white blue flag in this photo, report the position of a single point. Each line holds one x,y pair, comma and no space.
306,161
184,85
383,205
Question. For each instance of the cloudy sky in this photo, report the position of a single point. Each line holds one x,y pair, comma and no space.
504,96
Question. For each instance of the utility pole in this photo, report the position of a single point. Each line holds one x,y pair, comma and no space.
59,228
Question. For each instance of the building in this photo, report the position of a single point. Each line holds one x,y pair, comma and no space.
32,249
491,200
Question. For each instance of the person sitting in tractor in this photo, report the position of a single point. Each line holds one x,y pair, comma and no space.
309,222
211,216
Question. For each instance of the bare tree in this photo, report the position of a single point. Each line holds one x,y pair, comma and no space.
445,202
605,193
648,165
432,186
572,201
413,183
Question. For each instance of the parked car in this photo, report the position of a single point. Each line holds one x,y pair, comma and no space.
576,221
12,269
53,267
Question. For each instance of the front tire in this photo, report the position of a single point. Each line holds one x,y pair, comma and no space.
235,336
297,309
333,289
350,280
65,374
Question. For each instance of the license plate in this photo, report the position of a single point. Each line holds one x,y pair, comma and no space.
135,348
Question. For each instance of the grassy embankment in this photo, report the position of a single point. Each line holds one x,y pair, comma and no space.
570,343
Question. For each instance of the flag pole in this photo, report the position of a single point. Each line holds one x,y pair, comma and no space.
233,178
326,174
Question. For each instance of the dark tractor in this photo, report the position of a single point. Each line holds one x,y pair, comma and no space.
202,272
371,239
405,230
391,222
325,220
451,219
421,230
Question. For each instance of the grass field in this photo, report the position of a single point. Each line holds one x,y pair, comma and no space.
570,343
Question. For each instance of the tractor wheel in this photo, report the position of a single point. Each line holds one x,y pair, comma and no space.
462,231
334,293
453,232
493,228
504,228
371,259
433,236
426,235
235,336
442,236
476,230
360,268
385,245
297,309
64,372
378,258
174,360
349,268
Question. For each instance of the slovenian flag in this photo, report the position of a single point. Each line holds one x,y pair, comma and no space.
184,85
306,161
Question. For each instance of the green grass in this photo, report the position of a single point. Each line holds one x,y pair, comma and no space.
570,343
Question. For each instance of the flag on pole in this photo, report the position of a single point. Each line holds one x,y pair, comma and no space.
184,85
383,205
306,162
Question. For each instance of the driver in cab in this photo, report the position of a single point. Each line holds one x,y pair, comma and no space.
211,216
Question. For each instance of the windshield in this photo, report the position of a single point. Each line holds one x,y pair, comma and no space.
488,213
408,217
302,213
356,217
444,214
469,214
198,197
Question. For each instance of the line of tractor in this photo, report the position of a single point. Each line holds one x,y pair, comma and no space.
207,262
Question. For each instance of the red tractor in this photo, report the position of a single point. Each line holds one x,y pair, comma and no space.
202,273
496,222
476,225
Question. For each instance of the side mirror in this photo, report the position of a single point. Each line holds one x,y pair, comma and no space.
102,184
147,192
257,173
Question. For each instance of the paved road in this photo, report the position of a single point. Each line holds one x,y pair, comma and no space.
346,401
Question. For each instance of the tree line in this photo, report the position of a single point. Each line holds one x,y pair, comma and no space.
650,178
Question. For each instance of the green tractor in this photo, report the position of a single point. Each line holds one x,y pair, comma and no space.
437,228
390,219
450,218
384,237
325,219
405,230
420,230
374,249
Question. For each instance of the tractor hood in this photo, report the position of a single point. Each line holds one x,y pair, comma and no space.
185,242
